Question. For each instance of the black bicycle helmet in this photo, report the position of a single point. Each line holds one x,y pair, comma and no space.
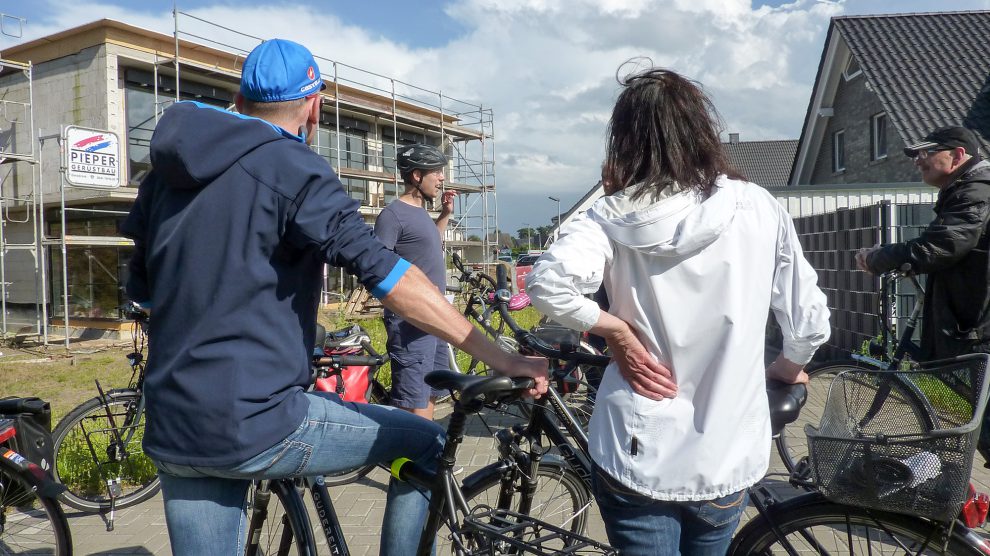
423,157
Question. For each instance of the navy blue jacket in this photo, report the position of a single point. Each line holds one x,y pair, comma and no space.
231,230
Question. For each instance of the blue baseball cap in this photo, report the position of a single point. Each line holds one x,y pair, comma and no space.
278,70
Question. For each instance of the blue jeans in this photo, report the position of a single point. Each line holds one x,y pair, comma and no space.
641,526
205,507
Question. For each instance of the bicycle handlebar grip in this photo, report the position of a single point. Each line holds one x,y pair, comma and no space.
366,344
456,259
501,281
454,289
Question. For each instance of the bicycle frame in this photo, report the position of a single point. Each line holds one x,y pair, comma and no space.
905,345
447,501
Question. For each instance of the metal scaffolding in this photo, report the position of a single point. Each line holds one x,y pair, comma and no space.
21,313
464,130
366,119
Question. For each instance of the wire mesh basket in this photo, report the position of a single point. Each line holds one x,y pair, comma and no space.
901,441
508,532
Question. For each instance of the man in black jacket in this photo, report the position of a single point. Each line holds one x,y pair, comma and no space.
231,231
952,250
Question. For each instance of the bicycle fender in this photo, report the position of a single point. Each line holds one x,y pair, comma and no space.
18,464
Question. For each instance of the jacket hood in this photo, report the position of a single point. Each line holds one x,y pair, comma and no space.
678,225
194,142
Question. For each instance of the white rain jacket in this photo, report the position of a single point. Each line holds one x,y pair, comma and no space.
695,277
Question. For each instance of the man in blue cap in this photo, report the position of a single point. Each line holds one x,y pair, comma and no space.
231,230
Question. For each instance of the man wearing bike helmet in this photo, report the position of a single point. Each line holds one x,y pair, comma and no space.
231,231
405,227
952,250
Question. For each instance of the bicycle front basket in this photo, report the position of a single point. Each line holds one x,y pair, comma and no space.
901,441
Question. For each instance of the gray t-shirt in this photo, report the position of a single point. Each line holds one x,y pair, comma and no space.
412,234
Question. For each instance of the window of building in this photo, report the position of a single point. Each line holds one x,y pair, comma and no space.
839,151
878,136
140,100
852,69
353,147
96,272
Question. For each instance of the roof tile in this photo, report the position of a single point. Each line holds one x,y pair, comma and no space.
927,69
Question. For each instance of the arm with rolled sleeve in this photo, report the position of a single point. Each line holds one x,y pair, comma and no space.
573,267
799,306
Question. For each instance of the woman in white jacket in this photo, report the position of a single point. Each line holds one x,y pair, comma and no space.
691,260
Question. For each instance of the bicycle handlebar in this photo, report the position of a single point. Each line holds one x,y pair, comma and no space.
532,341
349,361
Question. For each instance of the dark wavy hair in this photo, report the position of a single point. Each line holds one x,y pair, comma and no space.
664,130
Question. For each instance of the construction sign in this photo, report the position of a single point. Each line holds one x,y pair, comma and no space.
92,158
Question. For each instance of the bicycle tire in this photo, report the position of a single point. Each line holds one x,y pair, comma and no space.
378,396
30,523
565,500
791,442
285,507
78,469
814,525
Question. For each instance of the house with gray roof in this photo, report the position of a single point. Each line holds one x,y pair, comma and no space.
885,81
766,163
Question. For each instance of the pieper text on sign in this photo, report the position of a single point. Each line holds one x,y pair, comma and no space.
92,158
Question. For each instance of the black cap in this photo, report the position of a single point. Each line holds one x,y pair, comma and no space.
946,138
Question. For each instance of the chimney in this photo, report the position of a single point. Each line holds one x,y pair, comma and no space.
734,138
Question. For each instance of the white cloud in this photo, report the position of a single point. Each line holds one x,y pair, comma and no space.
548,67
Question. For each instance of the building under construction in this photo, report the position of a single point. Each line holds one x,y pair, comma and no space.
62,261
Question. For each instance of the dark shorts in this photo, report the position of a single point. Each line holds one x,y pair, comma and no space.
413,354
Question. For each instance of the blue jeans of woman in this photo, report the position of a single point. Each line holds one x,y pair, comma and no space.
205,507
641,526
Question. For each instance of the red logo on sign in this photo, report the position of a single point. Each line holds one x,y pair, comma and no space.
310,73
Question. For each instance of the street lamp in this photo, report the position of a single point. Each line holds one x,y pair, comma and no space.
556,230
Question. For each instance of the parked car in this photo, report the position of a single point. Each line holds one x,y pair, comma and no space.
523,265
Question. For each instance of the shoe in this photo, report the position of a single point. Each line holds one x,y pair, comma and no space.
457,470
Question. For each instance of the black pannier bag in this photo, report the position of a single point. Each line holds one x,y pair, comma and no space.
33,421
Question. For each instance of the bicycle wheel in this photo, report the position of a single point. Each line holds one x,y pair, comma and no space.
813,525
792,445
88,454
379,397
561,497
29,523
285,528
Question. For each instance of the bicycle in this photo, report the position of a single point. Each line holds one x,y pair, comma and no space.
97,445
884,355
31,519
342,355
809,523
879,485
280,524
477,290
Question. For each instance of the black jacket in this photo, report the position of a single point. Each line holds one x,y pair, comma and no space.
231,232
952,251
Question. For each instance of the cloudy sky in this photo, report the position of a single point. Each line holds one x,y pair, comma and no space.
546,67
